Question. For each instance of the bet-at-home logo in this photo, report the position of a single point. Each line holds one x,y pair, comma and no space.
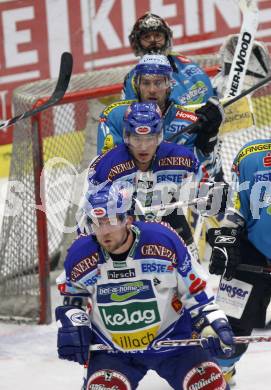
132,316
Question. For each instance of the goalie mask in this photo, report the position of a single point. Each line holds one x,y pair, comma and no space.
150,23
258,67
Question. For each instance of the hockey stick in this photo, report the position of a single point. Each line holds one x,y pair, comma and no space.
178,204
169,206
244,46
64,76
188,343
257,269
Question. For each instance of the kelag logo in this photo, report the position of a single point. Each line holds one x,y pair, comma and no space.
128,317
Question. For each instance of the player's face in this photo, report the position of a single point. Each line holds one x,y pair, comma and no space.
143,147
110,233
154,88
152,41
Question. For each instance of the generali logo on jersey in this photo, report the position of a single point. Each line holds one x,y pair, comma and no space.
84,266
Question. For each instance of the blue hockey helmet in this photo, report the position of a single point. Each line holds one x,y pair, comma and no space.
153,64
109,200
142,119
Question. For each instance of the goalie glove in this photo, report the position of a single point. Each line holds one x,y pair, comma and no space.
210,116
226,253
74,334
215,331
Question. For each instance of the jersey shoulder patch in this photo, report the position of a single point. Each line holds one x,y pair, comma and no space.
119,103
251,148
183,59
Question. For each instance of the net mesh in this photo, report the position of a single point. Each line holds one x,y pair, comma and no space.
69,143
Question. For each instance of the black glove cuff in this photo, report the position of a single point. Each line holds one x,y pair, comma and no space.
224,237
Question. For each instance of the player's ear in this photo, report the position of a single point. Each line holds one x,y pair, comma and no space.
129,220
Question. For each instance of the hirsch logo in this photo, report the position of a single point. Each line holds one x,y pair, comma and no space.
120,274
143,130
98,212
225,240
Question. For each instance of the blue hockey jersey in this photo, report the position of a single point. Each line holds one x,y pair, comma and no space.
190,84
149,296
252,174
110,130
171,163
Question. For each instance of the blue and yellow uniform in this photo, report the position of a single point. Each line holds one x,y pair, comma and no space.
190,84
252,171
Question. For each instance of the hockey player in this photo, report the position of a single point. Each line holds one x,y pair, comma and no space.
244,238
143,287
152,35
153,83
154,168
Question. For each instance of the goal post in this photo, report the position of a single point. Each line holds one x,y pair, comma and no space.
50,156
35,213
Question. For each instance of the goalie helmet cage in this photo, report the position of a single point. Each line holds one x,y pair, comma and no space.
32,240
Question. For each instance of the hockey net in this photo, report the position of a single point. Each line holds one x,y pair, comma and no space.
63,140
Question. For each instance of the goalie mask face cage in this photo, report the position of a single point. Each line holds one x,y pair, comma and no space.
150,23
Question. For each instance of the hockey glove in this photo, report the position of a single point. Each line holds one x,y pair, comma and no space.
210,116
226,253
215,331
74,333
